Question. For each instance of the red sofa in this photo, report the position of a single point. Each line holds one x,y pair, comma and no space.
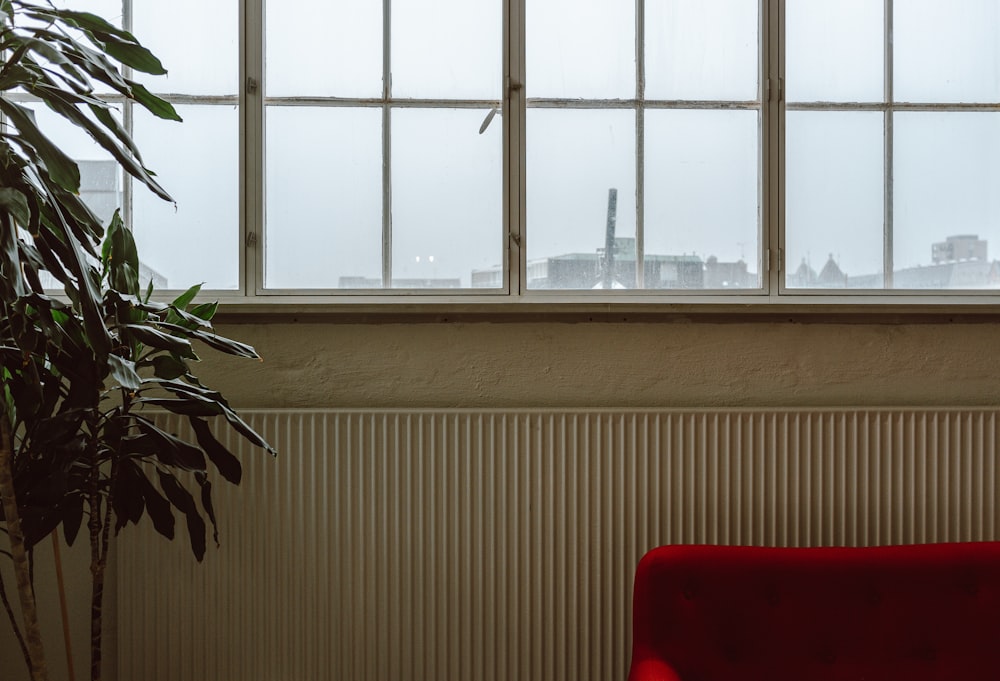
894,613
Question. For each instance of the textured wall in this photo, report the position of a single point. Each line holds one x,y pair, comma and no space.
687,364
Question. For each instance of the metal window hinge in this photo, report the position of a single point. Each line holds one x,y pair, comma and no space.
252,85
516,238
774,261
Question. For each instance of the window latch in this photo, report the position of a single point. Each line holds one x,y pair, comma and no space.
252,85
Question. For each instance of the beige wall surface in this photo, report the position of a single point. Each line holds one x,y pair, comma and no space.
583,364
669,364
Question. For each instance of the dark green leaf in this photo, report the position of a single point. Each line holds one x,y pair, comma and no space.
158,339
230,347
206,503
229,466
15,203
184,407
60,167
131,53
169,367
184,502
123,371
169,449
184,299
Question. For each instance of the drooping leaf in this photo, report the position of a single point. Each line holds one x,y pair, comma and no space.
156,505
158,339
184,502
227,464
14,202
61,168
168,448
206,503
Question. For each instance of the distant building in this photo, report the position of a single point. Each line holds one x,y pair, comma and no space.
959,262
959,248
583,271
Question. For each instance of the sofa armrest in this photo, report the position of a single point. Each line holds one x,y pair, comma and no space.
652,669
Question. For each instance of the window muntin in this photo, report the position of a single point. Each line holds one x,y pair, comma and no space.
639,117
890,167
405,182
923,112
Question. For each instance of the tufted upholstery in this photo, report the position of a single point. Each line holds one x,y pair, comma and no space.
896,613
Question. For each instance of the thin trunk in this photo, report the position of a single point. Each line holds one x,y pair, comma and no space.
97,585
13,623
29,613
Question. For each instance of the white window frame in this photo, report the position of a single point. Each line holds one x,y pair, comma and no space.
514,296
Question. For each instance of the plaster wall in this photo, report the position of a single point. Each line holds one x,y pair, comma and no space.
555,364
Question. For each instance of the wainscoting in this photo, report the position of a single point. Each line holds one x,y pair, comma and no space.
500,545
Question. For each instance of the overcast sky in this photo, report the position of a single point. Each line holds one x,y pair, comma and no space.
324,165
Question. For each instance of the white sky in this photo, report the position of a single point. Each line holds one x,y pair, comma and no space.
324,167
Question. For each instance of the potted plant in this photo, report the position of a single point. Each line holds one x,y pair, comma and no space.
78,446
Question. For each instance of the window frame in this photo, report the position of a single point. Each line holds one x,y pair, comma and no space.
514,297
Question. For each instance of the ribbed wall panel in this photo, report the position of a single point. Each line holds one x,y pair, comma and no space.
437,545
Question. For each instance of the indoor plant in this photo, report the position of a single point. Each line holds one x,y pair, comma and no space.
78,369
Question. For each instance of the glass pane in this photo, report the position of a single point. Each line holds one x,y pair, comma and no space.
834,209
701,50
580,48
197,41
447,49
834,51
346,61
324,198
694,240
947,51
197,161
446,197
946,205
575,157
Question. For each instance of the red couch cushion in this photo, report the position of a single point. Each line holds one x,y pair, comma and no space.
913,613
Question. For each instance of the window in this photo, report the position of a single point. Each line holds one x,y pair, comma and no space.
750,151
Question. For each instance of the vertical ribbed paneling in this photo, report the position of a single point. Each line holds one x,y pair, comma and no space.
501,545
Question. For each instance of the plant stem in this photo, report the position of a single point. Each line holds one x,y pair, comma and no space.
29,611
13,623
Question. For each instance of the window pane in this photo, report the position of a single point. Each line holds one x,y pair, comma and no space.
692,159
324,198
447,49
574,158
446,197
834,51
701,50
834,209
947,208
197,41
197,161
580,48
947,51
345,62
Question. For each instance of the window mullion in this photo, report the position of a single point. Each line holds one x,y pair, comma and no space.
386,144
127,120
887,208
771,258
251,220
640,144
515,148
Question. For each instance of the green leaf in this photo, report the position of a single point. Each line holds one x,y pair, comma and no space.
160,108
60,167
226,345
184,299
229,466
169,367
155,338
15,203
205,311
123,371
184,502
131,53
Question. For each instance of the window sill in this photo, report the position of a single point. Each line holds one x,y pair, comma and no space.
569,308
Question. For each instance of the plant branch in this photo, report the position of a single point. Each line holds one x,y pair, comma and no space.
13,623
